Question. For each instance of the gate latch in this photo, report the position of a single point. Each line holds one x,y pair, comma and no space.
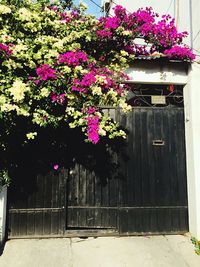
158,143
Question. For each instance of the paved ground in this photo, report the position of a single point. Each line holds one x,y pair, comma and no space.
154,251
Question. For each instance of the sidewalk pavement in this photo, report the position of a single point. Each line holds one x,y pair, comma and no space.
148,251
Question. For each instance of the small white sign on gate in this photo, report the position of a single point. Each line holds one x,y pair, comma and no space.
158,99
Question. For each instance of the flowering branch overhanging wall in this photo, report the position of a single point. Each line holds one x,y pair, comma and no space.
59,66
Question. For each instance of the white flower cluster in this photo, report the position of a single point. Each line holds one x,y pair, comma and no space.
4,9
18,90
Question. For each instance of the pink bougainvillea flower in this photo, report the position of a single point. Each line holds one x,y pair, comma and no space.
45,72
56,98
56,167
5,49
102,58
82,85
88,79
36,82
104,33
61,99
73,58
180,52
144,23
91,110
93,128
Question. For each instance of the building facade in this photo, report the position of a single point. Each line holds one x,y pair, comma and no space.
153,188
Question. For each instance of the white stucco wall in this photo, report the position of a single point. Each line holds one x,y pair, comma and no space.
196,26
161,73
3,202
192,129
161,7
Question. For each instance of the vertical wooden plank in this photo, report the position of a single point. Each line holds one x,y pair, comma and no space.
137,152
129,183
150,158
30,223
175,220
47,190
168,161
55,192
62,199
47,222
39,192
90,188
38,223
54,222
14,223
144,162
174,182
23,223
181,159
82,188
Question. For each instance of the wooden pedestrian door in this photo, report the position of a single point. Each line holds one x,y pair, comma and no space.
150,194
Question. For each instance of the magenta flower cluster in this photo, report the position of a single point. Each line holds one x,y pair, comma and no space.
82,85
137,50
164,33
67,18
57,98
5,49
45,72
64,16
180,52
159,33
93,127
73,58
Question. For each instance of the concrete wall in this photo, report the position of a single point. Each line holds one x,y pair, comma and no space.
188,19
161,7
196,26
192,127
3,202
151,72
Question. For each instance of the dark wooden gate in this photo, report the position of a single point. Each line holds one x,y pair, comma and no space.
140,189
151,193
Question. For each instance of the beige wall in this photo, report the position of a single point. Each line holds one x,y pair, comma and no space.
192,129
162,7
3,201
196,23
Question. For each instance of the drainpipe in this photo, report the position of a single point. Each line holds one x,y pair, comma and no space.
174,9
177,12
